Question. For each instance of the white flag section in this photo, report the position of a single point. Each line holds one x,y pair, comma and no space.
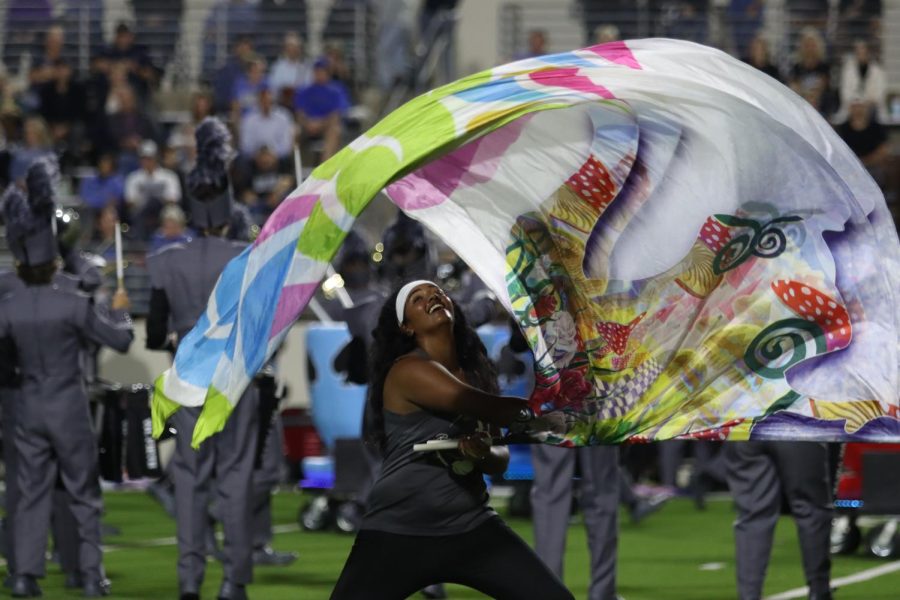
689,248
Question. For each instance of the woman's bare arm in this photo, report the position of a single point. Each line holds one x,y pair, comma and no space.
427,384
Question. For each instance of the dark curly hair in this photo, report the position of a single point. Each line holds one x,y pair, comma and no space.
391,343
39,274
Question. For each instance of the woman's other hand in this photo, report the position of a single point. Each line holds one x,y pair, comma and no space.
476,446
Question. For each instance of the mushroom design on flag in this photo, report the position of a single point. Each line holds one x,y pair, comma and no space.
819,308
699,279
593,184
617,334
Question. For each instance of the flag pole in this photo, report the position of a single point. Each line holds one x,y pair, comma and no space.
298,165
120,264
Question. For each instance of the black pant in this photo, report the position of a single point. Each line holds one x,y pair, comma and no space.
490,558
758,474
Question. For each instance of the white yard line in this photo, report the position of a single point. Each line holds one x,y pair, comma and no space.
172,541
842,581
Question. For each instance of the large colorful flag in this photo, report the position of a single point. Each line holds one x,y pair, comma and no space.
689,248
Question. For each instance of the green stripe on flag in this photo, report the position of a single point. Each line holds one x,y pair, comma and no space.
212,418
320,237
161,408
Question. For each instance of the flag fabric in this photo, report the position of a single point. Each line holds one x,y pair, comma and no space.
689,248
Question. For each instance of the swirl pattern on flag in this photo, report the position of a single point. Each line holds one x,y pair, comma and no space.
690,249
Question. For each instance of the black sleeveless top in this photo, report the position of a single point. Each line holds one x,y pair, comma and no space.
426,493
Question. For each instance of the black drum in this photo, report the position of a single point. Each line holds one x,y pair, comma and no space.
127,446
111,443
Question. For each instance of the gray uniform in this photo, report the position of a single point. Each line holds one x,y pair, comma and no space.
265,479
65,532
758,473
9,394
551,499
49,326
186,274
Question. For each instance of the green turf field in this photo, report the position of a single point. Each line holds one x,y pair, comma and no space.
678,553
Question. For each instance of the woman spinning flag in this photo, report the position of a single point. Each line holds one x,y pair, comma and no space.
428,518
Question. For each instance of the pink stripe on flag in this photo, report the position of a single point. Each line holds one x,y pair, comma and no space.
568,78
474,163
293,299
289,212
414,192
616,52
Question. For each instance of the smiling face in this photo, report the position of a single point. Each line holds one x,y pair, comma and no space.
426,309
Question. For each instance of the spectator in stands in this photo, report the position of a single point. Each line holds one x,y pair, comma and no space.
745,18
172,229
276,17
810,76
758,56
44,69
36,144
267,125
862,76
320,109
266,185
141,72
106,187
127,127
537,44
226,77
170,159
604,34
181,137
9,116
867,138
25,20
246,89
621,14
201,107
116,79
241,17
292,70
96,90
8,94
62,102
337,64
148,189
103,236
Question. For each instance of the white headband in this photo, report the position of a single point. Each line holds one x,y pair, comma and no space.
404,293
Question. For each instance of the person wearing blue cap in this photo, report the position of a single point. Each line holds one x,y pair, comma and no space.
43,327
320,109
